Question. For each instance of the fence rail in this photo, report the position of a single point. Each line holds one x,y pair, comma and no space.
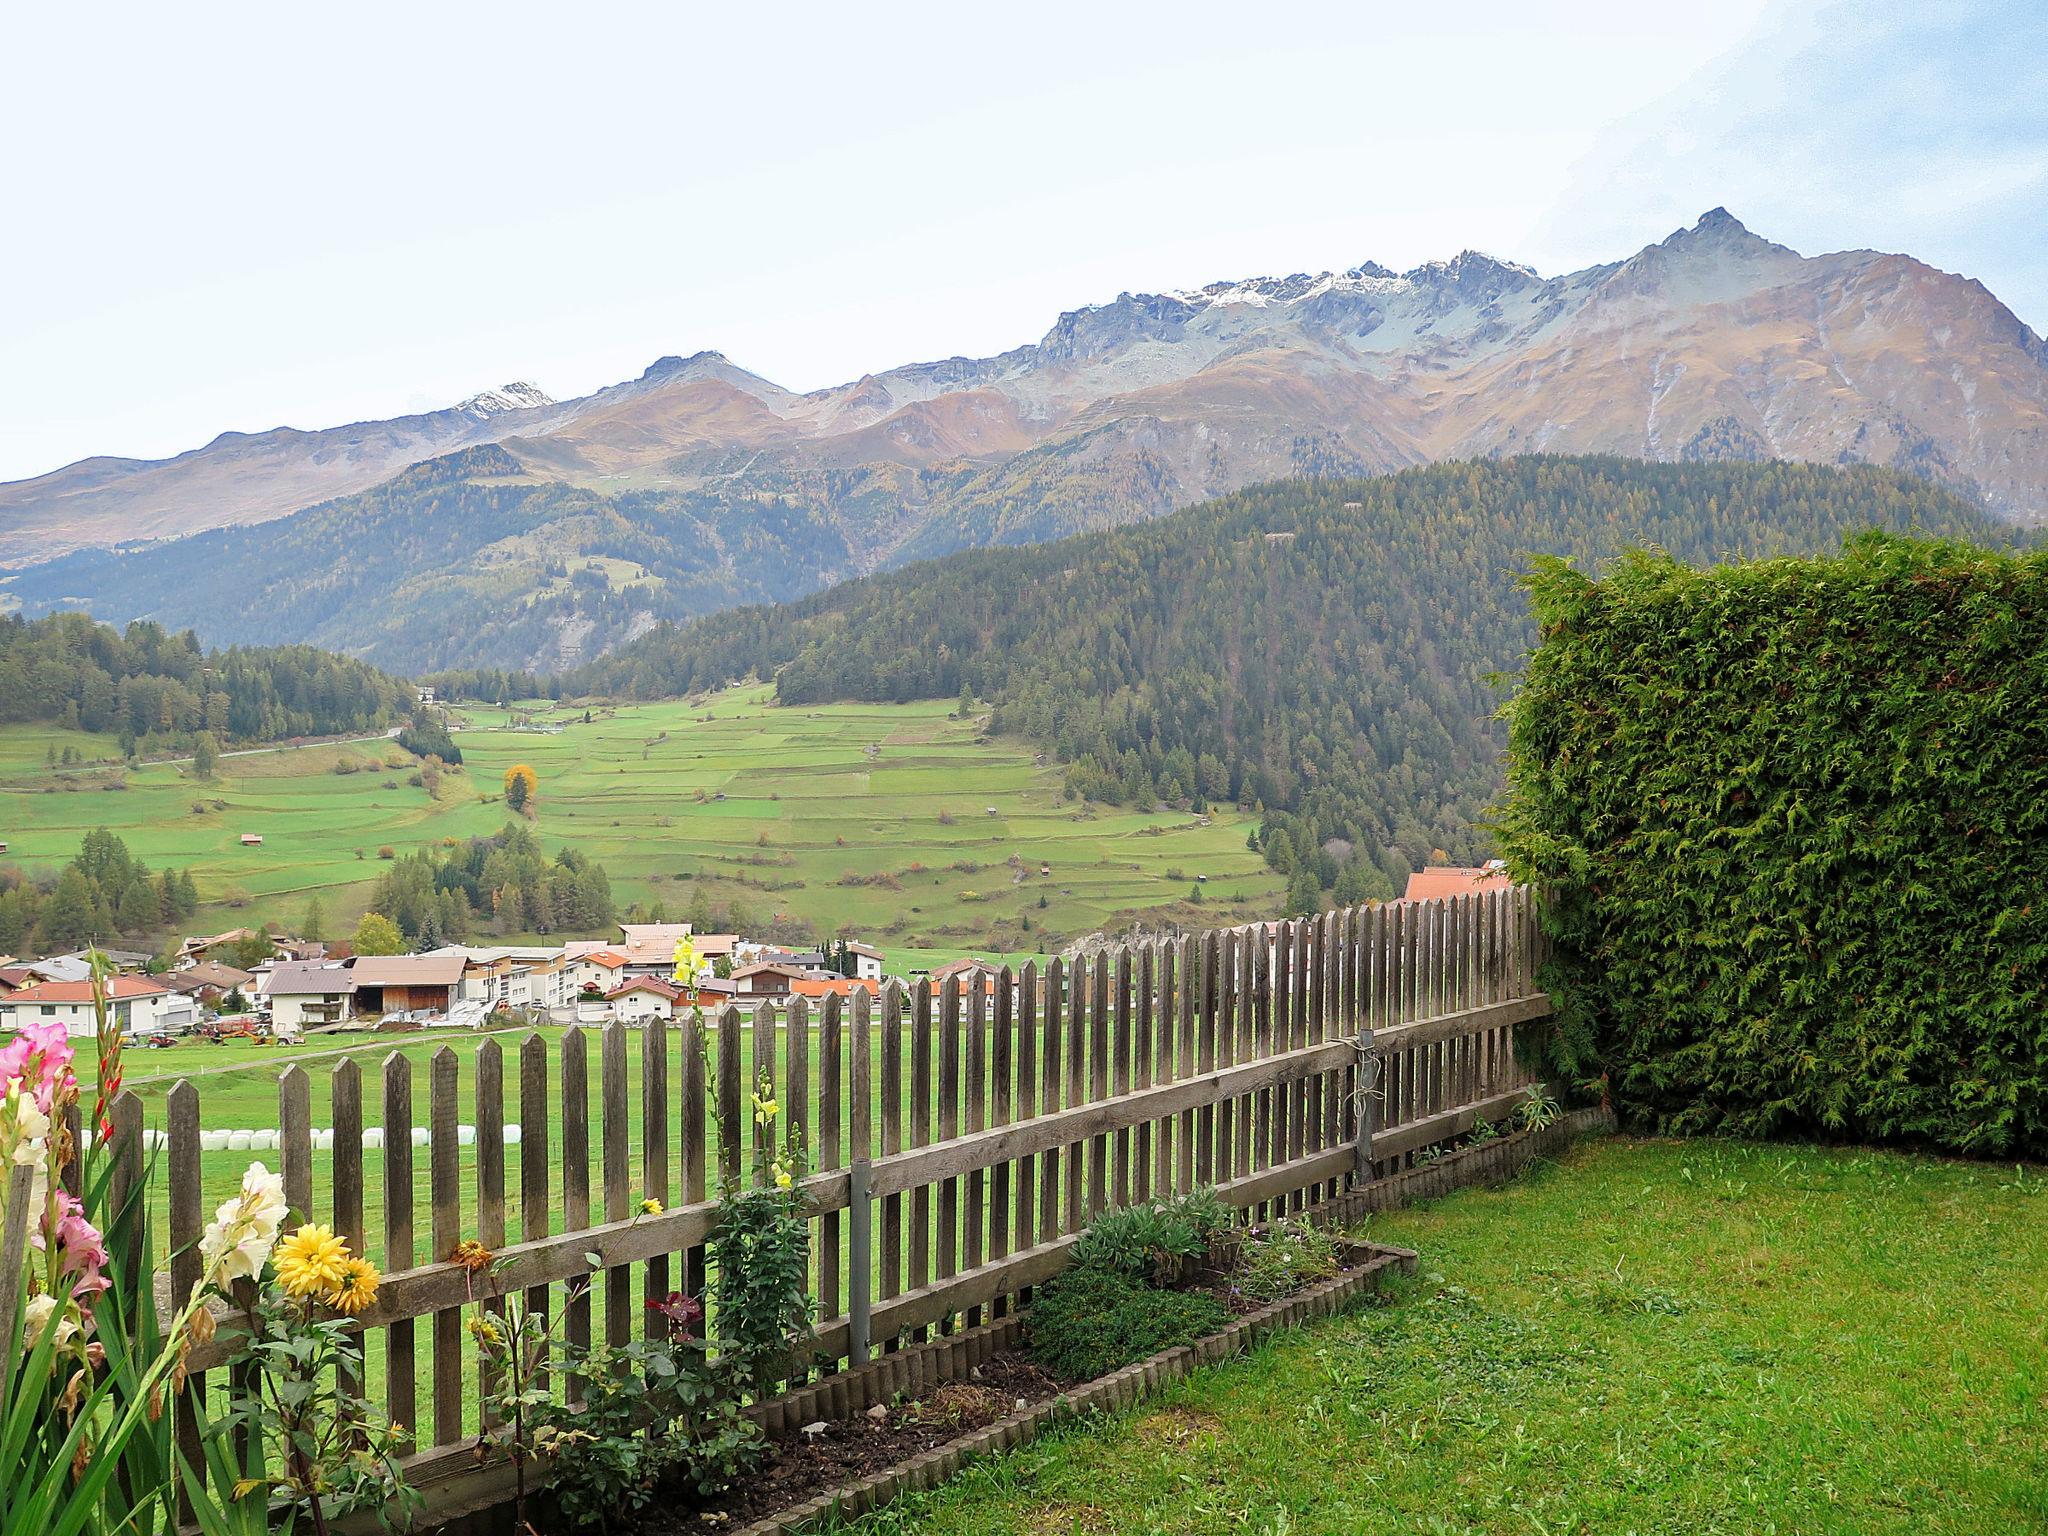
959,1140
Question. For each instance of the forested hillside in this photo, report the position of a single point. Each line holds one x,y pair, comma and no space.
156,689
459,562
1327,650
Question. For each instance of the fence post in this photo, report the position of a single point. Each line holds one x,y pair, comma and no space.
860,1211
1368,1105
860,1208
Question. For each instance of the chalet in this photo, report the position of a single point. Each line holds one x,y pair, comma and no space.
767,978
867,960
140,1005
406,983
602,969
1445,880
300,993
14,977
644,998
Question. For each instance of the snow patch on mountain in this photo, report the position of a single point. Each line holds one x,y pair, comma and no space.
516,396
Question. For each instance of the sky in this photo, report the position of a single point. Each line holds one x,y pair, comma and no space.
239,217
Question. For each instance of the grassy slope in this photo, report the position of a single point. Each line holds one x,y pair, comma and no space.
1654,1338
624,788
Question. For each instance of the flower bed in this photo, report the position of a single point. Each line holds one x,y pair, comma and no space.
927,1465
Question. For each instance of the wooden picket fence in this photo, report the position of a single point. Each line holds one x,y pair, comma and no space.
958,1141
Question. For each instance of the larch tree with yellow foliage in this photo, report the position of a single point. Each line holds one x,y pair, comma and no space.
522,784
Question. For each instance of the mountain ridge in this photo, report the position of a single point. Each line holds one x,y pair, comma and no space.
1714,335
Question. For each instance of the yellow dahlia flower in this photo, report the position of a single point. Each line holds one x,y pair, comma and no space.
311,1261
358,1287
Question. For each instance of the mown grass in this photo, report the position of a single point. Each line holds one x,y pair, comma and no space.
1647,1337
868,818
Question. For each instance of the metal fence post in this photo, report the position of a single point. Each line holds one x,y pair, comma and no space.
860,1225
1368,1107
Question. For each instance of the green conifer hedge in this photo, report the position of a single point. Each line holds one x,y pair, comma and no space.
1791,818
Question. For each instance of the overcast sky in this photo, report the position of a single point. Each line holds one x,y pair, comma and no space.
239,217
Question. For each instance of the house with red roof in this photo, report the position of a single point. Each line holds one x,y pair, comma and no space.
141,1005
1448,880
644,998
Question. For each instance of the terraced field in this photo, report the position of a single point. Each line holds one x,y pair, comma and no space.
899,822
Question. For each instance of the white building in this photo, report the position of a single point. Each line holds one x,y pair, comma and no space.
867,960
141,1005
297,993
643,998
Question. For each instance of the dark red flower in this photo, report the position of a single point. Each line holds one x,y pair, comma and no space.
684,1312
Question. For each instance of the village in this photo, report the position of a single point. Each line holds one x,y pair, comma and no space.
650,971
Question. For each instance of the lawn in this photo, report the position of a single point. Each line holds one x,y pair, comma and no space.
1646,1337
869,818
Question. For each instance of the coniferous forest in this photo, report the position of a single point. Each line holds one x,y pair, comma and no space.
155,688
1330,652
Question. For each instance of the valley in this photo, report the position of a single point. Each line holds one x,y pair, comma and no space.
870,817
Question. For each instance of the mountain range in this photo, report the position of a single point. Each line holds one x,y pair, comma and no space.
514,529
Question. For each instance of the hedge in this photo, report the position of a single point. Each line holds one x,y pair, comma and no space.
1790,822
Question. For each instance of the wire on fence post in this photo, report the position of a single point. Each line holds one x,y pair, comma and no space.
1368,1106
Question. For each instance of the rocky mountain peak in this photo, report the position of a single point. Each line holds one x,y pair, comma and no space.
516,396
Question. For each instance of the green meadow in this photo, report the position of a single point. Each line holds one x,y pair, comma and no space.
897,822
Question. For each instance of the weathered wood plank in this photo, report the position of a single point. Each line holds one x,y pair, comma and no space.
974,1091
1140,1076
575,1074
1189,998
695,1048
891,1273
295,1139
1001,1065
187,1223
1121,1052
918,1271
400,1356
617,1184
1053,1075
1102,1025
831,1093
1027,1101
444,1159
490,1175
654,1160
536,1203
345,1099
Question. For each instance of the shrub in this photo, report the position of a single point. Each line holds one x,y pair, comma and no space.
1089,1321
1281,1258
1155,1241
1791,818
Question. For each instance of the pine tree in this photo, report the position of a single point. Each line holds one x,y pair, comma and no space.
137,910
1304,893
205,753
314,924
66,918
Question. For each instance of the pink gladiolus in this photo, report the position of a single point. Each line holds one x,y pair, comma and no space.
40,1058
81,1251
